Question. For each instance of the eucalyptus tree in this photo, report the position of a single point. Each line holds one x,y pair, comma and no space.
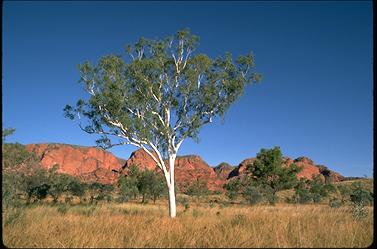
159,95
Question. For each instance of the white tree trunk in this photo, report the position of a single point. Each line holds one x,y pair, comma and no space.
172,204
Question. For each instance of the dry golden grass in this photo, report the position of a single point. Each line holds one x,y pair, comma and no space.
135,225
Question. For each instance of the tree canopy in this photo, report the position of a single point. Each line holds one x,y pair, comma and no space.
159,96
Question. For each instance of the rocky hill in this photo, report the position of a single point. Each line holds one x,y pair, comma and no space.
94,164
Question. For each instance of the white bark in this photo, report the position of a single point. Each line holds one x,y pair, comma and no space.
171,187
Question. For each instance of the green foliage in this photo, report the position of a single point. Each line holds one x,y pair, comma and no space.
11,190
198,188
76,188
135,99
147,183
128,185
312,190
252,194
186,204
15,156
98,191
7,132
269,172
319,189
232,188
150,184
344,191
303,195
62,209
360,195
335,203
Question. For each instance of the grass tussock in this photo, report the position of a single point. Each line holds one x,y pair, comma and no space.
135,225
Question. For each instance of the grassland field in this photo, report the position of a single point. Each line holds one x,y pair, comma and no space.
201,225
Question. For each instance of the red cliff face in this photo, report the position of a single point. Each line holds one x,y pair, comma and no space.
87,163
223,170
187,169
93,164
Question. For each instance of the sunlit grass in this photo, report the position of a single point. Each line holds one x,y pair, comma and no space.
135,225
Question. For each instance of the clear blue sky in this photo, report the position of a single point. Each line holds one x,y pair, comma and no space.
315,99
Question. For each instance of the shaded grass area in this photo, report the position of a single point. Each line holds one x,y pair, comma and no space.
135,225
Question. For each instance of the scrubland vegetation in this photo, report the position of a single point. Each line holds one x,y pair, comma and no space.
42,208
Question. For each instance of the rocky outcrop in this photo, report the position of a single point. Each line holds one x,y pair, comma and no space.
93,164
187,169
309,169
87,163
223,170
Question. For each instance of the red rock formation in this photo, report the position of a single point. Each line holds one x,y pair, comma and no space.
93,164
223,170
87,163
187,169
191,168
309,169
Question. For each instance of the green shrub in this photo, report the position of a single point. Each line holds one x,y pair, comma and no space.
252,195
335,203
62,209
13,215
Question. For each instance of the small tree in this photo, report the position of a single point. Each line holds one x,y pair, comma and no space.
7,132
344,192
232,188
269,172
157,187
128,185
150,185
252,194
320,189
162,96
76,188
198,188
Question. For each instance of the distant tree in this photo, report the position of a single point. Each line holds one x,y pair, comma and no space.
157,187
15,157
98,191
128,185
164,95
232,188
344,192
252,194
270,173
320,189
76,188
198,188
7,132
150,185
360,195
12,189
36,184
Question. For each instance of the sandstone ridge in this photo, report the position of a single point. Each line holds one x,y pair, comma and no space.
94,164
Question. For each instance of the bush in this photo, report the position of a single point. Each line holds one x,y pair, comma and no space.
335,203
62,209
359,211
252,195
186,204
303,196
232,188
13,215
198,188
